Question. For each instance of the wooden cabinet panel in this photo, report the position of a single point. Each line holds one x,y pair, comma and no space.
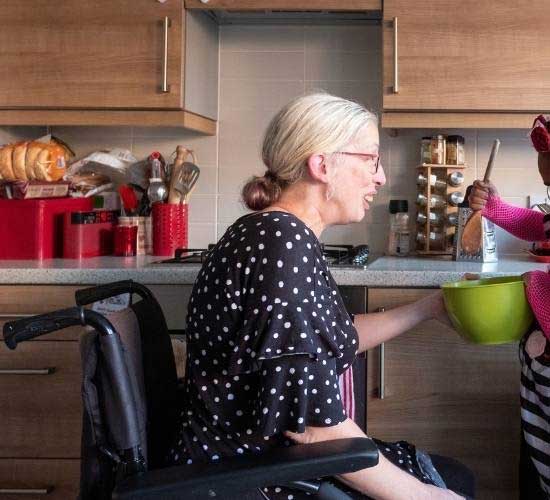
341,5
41,412
449,397
472,56
93,54
23,300
58,477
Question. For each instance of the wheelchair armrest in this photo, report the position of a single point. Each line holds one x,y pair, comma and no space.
241,474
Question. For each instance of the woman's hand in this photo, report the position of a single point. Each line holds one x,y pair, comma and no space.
436,307
480,194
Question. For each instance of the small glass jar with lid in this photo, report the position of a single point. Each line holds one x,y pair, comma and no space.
438,149
426,150
455,150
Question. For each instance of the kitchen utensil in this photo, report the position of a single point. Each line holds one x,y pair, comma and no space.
189,177
472,234
174,196
489,311
157,190
129,199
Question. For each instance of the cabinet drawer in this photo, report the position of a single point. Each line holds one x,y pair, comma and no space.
39,479
20,301
40,406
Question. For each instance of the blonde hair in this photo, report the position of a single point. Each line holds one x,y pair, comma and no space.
314,123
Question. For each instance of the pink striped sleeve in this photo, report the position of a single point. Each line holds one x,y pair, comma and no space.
523,223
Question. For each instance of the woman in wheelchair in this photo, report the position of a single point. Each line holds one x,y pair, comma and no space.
268,334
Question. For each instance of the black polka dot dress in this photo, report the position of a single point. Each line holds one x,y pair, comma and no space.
267,337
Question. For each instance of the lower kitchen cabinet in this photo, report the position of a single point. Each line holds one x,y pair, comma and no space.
448,397
54,479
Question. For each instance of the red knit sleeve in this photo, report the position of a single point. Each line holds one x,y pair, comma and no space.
538,295
523,223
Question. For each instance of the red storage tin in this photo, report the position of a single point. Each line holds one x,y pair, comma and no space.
33,229
88,234
169,228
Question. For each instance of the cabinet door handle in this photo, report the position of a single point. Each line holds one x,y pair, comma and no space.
381,366
26,491
30,371
165,87
395,68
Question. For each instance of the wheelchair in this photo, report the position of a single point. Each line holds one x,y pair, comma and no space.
131,398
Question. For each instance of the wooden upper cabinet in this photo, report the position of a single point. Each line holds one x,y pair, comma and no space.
490,55
92,54
292,5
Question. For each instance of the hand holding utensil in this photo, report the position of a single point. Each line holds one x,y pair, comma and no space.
472,234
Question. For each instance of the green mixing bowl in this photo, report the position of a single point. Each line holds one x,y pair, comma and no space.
489,311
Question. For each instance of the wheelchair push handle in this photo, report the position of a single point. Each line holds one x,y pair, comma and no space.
35,326
102,292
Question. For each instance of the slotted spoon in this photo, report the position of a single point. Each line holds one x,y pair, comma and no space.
188,176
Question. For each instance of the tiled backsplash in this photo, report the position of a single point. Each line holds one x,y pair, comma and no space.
263,67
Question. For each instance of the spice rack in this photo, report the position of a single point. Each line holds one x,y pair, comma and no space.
434,233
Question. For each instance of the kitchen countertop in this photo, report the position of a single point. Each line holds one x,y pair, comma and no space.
382,272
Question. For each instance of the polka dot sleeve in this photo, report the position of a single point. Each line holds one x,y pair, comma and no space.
296,392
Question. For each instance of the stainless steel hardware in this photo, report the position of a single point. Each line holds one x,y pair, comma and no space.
30,371
17,315
165,87
395,69
26,491
381,365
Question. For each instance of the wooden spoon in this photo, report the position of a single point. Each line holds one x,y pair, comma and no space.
472,233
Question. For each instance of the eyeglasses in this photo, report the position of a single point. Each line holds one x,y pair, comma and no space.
367,157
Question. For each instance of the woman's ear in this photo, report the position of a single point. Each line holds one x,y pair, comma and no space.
317,167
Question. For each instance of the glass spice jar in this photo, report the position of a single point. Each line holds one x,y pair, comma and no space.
455,198
455,150
438,149
455,178
426,150
436,201
435,218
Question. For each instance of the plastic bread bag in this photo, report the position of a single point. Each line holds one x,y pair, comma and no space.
114,164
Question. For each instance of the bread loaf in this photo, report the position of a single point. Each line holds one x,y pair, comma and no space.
6,170
33,149
31,160
18,161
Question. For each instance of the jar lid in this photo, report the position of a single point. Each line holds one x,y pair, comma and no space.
457,138
397,206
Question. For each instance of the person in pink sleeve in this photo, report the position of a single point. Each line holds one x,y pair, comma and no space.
530,225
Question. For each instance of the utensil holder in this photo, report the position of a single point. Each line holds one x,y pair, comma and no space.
169,228
144,235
